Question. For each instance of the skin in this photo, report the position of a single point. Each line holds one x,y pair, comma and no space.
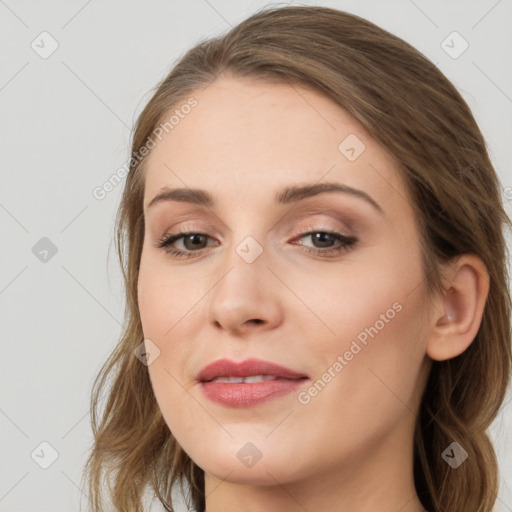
350,447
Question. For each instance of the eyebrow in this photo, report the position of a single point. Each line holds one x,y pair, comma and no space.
288,195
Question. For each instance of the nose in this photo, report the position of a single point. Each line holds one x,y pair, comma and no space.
246,298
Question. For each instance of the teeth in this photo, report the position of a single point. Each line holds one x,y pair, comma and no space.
259,378
239,380
229,380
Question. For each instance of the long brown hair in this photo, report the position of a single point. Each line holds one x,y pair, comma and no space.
407,105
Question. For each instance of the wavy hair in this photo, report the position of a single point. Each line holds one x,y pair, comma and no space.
412,110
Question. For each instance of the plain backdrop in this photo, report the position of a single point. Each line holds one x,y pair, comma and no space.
66,121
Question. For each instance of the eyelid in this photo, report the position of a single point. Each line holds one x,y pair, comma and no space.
342,218
314,217
319,228
348,242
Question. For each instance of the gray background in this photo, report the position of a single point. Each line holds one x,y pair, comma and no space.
65,129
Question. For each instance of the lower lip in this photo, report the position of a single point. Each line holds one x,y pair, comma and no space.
247,394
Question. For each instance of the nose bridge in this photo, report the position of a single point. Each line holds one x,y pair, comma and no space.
245,293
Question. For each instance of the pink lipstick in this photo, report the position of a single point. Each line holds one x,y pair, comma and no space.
248,382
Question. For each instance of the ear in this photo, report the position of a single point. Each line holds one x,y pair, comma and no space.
458,313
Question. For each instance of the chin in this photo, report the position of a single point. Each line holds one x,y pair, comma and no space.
245,463
261,474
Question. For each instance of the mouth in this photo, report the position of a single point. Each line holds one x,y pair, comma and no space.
249,379
247,369
247,383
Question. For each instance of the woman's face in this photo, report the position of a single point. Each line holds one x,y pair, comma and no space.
326,284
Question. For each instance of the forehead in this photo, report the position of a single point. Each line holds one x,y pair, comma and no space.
247,136
236,115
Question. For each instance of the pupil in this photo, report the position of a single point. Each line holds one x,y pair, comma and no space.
195,241
323,238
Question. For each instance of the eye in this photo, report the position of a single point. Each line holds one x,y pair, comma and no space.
194,242
324,242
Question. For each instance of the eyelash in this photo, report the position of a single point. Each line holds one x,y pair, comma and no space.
347,243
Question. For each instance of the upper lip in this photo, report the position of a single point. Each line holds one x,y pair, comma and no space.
228,368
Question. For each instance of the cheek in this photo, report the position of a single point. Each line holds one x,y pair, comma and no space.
377,299
365,380
385,346
150,301
169,320
370,331
165,297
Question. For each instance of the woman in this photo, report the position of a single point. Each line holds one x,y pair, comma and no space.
317,302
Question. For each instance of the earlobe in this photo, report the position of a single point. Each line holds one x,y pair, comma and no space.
460,309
